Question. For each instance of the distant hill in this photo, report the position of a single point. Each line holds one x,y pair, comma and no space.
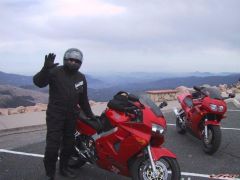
193,80
27,82
104,89
168,83
14,79
12,96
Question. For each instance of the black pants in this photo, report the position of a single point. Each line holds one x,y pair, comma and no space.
60,135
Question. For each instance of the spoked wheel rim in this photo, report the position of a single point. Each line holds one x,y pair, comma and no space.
162,167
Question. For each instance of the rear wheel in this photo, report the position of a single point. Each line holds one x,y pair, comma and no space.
167,169
212,143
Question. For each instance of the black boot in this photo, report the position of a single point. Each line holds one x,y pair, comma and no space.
67,173
50,169
50,178
65,170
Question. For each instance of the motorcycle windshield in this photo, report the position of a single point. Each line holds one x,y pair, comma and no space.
145,100
213,93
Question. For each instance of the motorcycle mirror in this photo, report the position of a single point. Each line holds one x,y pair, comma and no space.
231,95
163,104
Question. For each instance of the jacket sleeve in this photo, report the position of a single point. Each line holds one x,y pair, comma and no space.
41,79
84,102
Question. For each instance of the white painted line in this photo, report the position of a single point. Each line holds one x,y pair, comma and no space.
233,110
40,155
235,129
21,153
195,174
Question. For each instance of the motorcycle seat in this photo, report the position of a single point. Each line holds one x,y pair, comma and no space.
93,123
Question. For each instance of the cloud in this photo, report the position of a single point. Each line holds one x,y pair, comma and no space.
76,8
183,35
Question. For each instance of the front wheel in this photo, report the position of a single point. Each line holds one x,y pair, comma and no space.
75,161
179,126
212,143
167,169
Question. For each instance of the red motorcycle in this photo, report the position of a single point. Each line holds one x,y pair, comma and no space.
201,114
127,139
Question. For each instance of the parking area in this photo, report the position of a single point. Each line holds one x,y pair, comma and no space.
194,163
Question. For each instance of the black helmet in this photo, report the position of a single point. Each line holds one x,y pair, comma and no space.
75,55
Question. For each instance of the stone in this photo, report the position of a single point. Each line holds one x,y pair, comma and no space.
92,103
21,109
12,111
4,111
223,87
41,107
31,109
183,89
37,108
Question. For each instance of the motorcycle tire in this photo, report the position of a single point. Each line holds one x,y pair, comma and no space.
168,169
212,146
179,128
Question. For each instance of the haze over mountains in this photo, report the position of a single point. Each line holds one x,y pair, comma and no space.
103,87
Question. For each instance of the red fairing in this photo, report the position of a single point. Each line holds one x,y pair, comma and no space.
158,153
214,123
206,105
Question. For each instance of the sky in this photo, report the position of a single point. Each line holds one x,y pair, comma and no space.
122,35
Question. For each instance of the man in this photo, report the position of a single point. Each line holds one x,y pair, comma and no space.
67,90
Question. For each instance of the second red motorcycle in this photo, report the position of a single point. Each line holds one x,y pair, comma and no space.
201,114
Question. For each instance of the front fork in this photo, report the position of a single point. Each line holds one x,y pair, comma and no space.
155,172
206,128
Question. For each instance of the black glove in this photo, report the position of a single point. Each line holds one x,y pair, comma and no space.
97,119
49,61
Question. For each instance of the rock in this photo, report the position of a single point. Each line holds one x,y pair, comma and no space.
31,109
37,108
238,85
183,89
12,111
224,94
41,107
21,109
223,87
4,111
237,90
230,91
92,103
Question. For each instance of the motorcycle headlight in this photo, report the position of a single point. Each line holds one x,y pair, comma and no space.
213,107
157,129
220,108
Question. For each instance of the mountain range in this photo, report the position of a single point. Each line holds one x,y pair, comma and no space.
18,90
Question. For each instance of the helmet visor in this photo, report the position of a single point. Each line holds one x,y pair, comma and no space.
75,61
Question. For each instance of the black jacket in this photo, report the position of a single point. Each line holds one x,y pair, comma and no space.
66,89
